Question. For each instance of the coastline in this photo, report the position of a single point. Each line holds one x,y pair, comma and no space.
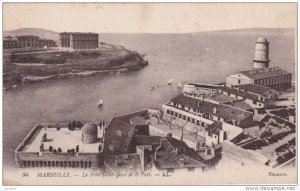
74,66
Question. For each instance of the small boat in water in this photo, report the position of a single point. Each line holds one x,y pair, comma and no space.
170,81
100,103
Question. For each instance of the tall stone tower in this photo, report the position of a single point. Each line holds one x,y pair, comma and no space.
261,59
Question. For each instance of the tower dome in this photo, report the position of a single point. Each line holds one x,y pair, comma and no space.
262,39
261,58
89,133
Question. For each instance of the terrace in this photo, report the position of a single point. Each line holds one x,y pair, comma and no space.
62,138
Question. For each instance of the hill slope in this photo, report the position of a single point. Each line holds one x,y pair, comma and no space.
42,33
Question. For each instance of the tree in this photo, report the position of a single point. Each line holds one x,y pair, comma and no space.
77,148
50,148
182,125
79,125
74,124
59,150
71,127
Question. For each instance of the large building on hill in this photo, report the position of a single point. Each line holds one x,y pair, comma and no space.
27,41
78,41
262,74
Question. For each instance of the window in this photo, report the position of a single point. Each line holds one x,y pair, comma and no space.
239,81
184,117
193,120
188,119
168,111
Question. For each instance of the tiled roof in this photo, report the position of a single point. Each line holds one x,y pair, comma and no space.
257,89
120,125
244,94
120,143
147,140
220,98
138,120
240,104
124,163
176,154
264,73
224,111
214,128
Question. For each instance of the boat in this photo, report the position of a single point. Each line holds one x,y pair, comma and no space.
170,81
179,85
100,103
152,88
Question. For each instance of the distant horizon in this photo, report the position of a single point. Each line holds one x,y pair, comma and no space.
250,28
148,17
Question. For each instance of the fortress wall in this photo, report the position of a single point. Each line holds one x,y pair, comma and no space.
244,155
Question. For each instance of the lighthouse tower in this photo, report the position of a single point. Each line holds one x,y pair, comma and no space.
261,59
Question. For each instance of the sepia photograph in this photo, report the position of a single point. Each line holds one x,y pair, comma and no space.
149,94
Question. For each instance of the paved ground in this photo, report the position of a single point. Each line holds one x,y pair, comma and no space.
64,138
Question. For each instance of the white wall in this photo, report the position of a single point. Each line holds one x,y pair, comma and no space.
232,80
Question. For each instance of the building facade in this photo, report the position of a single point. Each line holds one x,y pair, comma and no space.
262,74
27,41
274,78
10,42
78,41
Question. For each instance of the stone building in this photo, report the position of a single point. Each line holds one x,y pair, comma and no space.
262,74
46,43
78,41
10,42
27,41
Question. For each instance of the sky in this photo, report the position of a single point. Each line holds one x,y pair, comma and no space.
148,17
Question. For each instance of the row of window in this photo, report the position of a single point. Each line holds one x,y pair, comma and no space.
72,164
273,80
187,118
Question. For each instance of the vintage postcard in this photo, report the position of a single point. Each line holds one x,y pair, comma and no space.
149,93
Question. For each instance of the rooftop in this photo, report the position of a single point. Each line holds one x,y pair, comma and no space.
215,128
253,88
176,154
63,138
120,131
262,39
239,92
220,98
82,33
126,162
264,73
27,36
240,104
228,113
